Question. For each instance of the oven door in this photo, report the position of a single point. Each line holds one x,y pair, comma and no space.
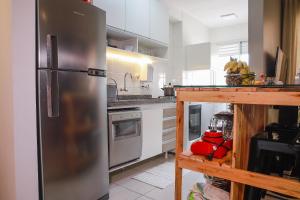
194,122
126,129
125,137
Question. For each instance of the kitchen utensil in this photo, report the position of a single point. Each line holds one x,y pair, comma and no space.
168,90
223,121
112,91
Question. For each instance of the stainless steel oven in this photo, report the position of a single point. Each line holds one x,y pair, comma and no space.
125,136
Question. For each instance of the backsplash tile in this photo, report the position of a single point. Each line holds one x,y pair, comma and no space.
117,69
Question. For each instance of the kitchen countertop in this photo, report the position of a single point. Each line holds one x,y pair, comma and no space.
131,102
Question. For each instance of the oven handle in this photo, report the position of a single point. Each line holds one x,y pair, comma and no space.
124,114
113,133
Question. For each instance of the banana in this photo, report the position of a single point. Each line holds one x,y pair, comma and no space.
235,66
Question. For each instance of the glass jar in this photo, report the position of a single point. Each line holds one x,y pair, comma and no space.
223,121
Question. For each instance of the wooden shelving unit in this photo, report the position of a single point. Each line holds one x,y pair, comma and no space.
250,117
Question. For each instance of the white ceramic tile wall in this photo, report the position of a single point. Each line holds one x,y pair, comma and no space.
117,69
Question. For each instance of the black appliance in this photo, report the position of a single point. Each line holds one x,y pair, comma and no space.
194,122
72,102
275,151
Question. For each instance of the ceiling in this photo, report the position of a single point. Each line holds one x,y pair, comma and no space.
208,12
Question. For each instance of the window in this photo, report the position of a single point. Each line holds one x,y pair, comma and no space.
220,56
238,50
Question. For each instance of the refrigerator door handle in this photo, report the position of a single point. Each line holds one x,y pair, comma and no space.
52,52
52,94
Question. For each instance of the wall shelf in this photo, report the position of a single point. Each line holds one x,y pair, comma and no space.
131,42
136,54
250,117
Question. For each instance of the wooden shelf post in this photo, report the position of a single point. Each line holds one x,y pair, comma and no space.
248,121
179,147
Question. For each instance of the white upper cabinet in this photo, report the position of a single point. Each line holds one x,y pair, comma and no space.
159,21
138,16
115,12
147,18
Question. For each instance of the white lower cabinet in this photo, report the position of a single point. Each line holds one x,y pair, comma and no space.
152,132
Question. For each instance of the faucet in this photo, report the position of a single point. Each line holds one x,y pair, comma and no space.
125,88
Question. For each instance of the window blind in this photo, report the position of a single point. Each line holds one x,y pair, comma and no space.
233,49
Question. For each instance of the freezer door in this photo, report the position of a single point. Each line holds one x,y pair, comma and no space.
71,35
72,135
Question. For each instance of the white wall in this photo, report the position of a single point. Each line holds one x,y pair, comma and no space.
225,34
24,91
194,32
198,56
256,34
176,52
264,33
19,174
272,32
184,30
7,166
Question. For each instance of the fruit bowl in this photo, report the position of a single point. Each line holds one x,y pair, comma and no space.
240,79
233,79
238,73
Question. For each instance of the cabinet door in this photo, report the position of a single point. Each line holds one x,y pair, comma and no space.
152,133
159,21
115,12
138,16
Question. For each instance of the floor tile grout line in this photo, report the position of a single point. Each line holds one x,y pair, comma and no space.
131,191
149,192
145,197
135,191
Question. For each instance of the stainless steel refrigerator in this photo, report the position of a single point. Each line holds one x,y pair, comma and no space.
72,117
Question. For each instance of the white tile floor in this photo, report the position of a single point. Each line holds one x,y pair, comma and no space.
122,187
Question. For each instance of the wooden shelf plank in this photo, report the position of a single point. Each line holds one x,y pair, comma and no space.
224,162
272,183
254,98
241,89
